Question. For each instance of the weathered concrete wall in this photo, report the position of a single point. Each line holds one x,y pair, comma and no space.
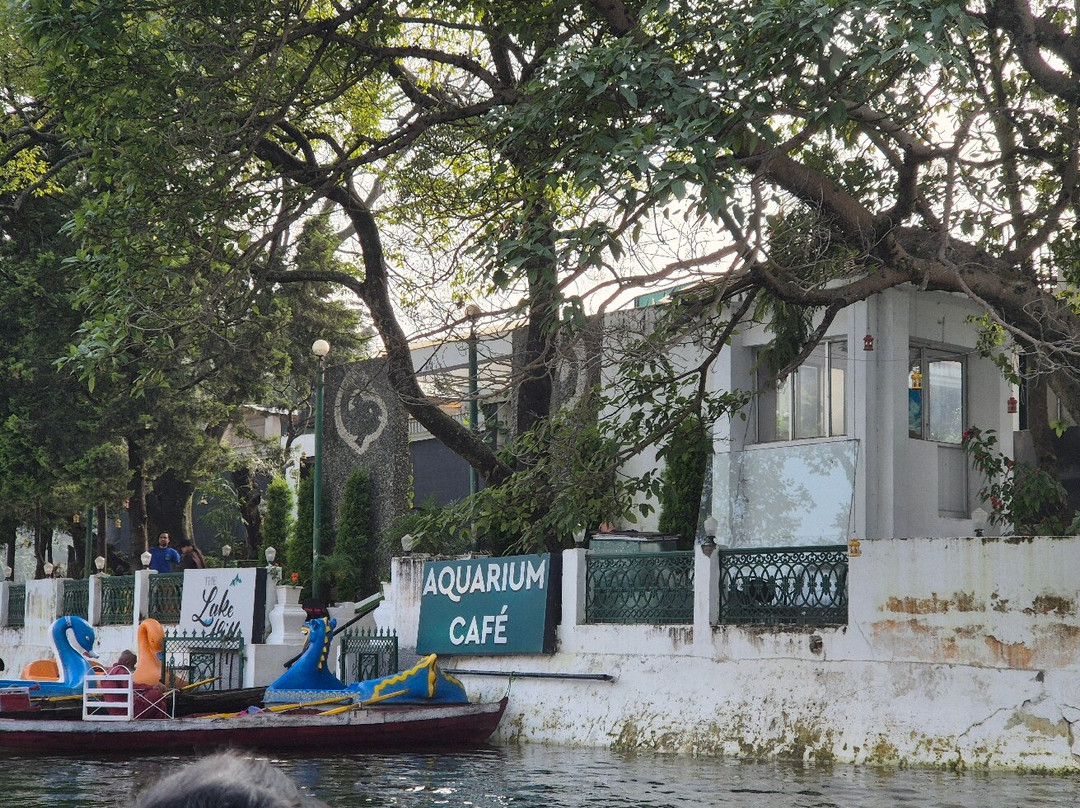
958,653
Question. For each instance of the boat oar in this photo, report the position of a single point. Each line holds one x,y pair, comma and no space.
200,683
364,703
174,690
281,708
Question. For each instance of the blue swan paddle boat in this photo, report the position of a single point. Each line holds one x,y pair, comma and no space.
308,680
72,654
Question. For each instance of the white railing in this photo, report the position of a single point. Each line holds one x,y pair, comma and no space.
108,697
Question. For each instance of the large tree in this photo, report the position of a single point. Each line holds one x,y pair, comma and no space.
549,144
76,397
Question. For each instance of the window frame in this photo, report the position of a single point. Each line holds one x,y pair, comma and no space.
768,396
929,354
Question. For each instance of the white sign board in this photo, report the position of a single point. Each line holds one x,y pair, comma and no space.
224,601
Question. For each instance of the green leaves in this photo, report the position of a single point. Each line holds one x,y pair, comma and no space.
1027,500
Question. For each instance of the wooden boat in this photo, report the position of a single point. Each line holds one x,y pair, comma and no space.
26,705
422,707
413,726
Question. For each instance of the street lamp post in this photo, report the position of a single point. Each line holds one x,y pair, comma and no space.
88,542
473,311
320,348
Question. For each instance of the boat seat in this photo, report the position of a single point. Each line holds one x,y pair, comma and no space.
41,670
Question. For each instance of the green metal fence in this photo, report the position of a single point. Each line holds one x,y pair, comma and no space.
215,660
77,597
16,606
164,597
784,586
117,599
367,654
628,588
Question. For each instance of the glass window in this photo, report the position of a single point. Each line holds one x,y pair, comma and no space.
810,402
935,395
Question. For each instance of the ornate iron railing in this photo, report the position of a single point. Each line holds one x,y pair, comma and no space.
639,587
117,599
217,661
16,606
77,597
784,586
164,597
367,654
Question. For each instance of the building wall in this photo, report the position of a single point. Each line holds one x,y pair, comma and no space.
901,486
882,483
959,652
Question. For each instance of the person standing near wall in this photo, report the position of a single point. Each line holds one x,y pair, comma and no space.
163,556
191,557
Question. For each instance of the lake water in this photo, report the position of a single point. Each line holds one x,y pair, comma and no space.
539,776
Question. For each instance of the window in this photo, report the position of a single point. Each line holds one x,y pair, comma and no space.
810,402
935,395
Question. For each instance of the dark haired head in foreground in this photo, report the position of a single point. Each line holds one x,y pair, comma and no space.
224,781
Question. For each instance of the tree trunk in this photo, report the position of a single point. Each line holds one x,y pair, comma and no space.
137,503
538,355
102,531
168,507
39,548
374,290
9,529
249,498
1042,436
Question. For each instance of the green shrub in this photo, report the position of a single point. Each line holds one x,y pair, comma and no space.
278,521
298,559
686,456
353,566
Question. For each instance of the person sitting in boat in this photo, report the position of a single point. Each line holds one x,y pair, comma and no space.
225,779
150,702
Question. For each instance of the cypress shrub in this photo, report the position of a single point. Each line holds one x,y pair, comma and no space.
685,456
353,565
299,555
278,522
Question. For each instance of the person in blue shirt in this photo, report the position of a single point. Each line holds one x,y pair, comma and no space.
163,556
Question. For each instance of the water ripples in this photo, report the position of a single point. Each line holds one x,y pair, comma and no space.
553,777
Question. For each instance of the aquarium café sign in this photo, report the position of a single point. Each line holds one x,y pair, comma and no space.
487,606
